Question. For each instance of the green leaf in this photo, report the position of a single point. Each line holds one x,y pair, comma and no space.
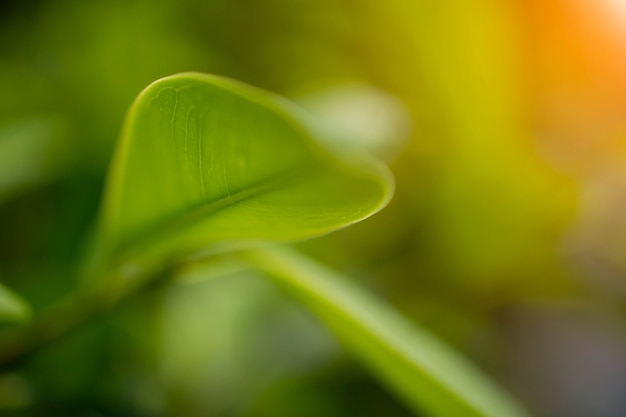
206,163
428,374
12,307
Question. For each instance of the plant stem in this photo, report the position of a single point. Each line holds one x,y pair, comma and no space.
421,369
69,315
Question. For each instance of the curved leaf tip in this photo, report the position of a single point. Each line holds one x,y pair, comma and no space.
205,161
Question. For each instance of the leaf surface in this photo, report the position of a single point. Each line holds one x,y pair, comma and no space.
206,162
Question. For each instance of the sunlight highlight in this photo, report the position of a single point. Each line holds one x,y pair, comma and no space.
613,12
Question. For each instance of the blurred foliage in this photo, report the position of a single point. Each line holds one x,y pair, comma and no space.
507,230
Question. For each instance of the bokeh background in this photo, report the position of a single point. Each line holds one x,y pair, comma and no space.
506,236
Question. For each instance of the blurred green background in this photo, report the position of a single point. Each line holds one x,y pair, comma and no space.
506,236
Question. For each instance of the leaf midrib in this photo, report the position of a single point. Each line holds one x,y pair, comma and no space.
176,222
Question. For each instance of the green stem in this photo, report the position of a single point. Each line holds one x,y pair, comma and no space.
421,369
69,315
